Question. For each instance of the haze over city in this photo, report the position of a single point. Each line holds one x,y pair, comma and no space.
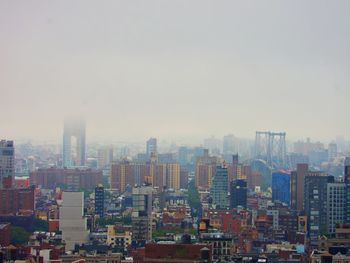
175,69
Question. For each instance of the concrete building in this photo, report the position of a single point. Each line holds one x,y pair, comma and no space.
72,221
119,240
73,179
297,186
7,164
74,156
205,170
281,187
332,151
315,203
336,197
173,176
218,189
142,213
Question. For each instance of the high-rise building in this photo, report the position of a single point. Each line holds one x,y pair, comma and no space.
205,170
183,155
100,200
104,157
218,188
142,213
151,146
297,186
74,156
7,164
315,203
332,151
281,187
173,176
336,197
347,186
72,221
238,193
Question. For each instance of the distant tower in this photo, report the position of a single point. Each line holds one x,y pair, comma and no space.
218,189
99,200
74,128
238,193
151,146
7,163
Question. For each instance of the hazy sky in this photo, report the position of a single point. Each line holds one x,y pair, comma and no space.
173,69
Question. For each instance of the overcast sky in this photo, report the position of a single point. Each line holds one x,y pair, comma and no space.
175,69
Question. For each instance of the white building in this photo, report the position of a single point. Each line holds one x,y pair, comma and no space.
72,221
335,205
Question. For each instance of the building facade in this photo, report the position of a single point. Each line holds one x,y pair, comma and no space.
218,189
281,187
74,156
238,193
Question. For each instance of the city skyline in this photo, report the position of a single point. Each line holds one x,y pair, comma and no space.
137,71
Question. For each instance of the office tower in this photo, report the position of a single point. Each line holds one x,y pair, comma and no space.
332,151
229,144
104,157
151,146
183,154
297,186
315,203
205,170
7,164
347,186
183,178
173,176
142,213
281,187
218,188
72,222
238,193
74,156
99,200
336,197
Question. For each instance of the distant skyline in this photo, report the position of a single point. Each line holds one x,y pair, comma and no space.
175,70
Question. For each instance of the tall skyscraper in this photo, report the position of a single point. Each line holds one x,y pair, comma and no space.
7,164
297,186
238,193
72,221
74,156
205,170
336,197
315,204
281,187
142,213
332,151
100,200
151,146
347,186
218,188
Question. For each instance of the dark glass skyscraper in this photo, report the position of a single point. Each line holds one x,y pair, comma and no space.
238,193
99,200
